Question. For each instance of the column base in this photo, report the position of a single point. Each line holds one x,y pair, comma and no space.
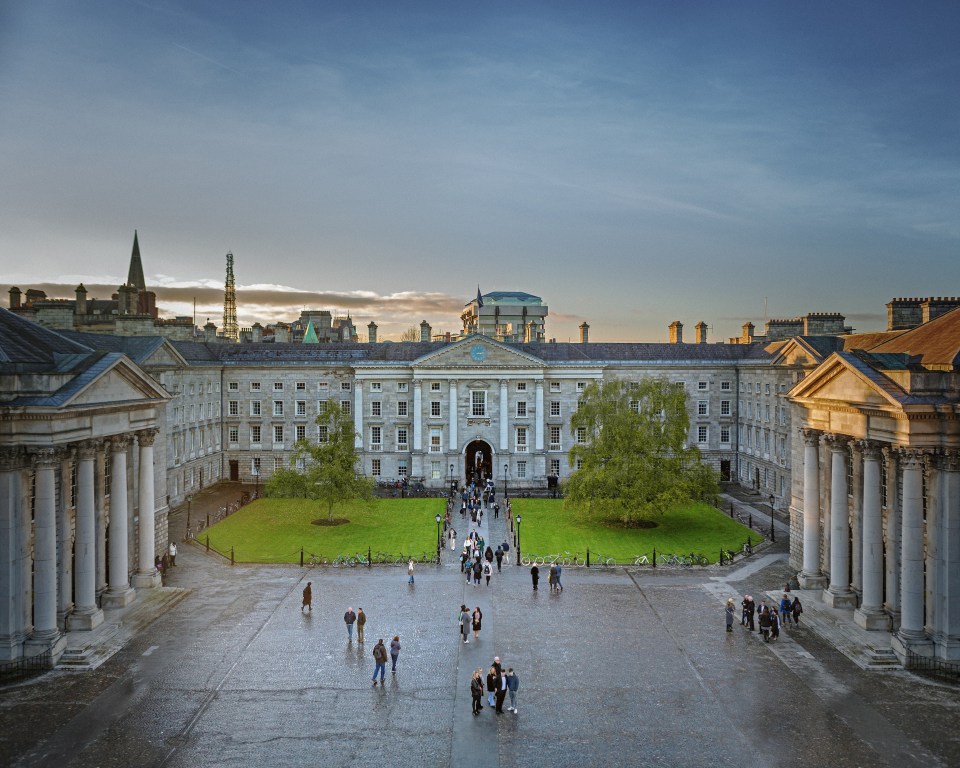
947,648
918,643
55,643
872,619
119,599
839,599
85,620
11,647
812,580
147,580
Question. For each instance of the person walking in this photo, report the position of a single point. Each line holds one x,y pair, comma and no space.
513,685
394,652
173,553
499,556
410,571
774,623
786,609
729,611
476,690
349,618
797,609
487,572
477,622
552,577
492,686
501,691
307,598
453,539
380,658
556,579
496,511
361,620
464,623
535,576
477,570
765,624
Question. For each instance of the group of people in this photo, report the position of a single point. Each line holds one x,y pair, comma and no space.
498,685
169,559
477,559
553,577
769,618
380,658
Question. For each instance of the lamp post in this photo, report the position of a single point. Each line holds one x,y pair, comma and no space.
450,481
773,535
189,500
438,518
256,480
518,539
506,469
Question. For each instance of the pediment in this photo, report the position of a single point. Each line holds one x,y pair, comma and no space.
165,356
478,353
121,382
839,380
796,353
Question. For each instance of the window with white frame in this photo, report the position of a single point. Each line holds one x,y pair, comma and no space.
436,440
724,407
255,465
375,386
402,439
724,386
434,386
703,408
375,441
345,407
301,408
233,386
254,386
725,435
401,386
579,464
255,408
323,386
554,407
554,386
555,439
401,408
277,433
435,471
321,407
702,386
402,468
375,468
277,463
766,413
521,470
345,386
702,433
301,432
435,408
278,386
521,409
766,388
278,407
233,435
233,408
634,406
581,385
322,431
680,384
582,435
758,388
375,408
478,402
521,439
301,386
255,434
521,386
555,467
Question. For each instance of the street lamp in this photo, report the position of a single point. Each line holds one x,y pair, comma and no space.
518,539
506,468
450,481
439,545
256,480
189,499
773,535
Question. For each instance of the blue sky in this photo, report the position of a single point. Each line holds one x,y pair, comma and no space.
631,163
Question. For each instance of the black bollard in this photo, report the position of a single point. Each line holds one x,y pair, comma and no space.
653,560
231,555
208,543
731,509
588,557
369,558
301,557
751,521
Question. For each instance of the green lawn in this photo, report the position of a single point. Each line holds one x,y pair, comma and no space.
274,530
548,528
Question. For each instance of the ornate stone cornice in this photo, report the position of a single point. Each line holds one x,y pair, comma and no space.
87,449
811,436
837,443
12,459
910,458
951,460
146,437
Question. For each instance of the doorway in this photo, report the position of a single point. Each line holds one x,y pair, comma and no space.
234,470
724,470
478,461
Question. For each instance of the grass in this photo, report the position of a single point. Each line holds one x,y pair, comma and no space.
547,527
274,530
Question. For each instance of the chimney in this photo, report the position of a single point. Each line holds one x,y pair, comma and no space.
371,332
747,336
676,332
81,306
210,331
584,333
425,331
701,332
281,333
256,333
14,298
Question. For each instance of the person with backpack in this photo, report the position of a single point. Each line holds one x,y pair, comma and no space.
797,610
380,657
487,572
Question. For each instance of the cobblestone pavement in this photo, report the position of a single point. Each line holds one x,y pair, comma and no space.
625,667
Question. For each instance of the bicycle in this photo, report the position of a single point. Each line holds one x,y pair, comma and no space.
358,559
599,561
342,560
641,560
316,560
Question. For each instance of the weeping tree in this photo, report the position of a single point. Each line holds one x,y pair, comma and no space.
631,447
326,470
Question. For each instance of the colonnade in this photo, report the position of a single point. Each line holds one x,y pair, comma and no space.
891,542
54,573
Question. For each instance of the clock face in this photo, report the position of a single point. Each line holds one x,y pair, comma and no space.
478,353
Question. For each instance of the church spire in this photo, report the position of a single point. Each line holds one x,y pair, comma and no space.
135,276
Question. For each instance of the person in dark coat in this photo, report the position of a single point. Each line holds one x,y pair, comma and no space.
492,685
476,690
307,598
488,555
394,652
499,556
535,576
729,611
797,610
477,571
477,622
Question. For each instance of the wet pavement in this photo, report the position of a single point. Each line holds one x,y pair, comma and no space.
625,667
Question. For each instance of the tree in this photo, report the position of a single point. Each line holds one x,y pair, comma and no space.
411,334
634,461
326,470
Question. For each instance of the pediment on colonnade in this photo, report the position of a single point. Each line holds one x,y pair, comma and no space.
111,380
478,352
165,355
845,379
797,352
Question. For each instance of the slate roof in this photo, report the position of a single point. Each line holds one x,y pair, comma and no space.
936,343
137,348
24,343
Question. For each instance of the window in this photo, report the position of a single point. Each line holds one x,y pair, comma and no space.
301,432
521,439
375,386
703,407
321,407
554,386
724,435
344,386
375,468
375,408
521,408
766,413
579,464
724,386
375,444
301,386
255,466
323,386
435,470
345,407
521,470
478,402
255,434
278,433
233,386
521,386
435,408
635,406
581,385
278,407
401,386
233,408
436,440
702,386
758,388
254,407
321,433
555,467
724,407
434,386
767,389
402,439
401,407
233,435
680,384
554,407
581,435
701,434
278,386
555,439
301,407
402,468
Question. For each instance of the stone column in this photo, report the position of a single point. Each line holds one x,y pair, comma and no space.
358,415
538,424
948,606
931,544
911,635
119,592
856,519
417,415
838,594
891,536
46,634
12,628
811,577
870,614
86,614
100,516
147,575
454,415
504,417
65,537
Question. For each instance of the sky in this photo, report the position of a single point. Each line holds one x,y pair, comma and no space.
631,163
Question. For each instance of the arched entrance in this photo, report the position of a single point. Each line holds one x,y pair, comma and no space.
477,461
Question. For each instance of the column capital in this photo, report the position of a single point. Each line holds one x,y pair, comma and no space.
503,382
951,460
452,382
909,458
118,443
417,383
45,458
837,443
811,436
870,449
933,459
87,449
538,383
146,437
12,458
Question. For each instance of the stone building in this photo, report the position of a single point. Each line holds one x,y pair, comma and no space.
511,316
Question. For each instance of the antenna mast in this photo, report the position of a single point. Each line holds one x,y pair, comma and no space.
230,330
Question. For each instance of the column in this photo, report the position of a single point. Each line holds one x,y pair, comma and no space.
838,594
454,415
538,424
911,635
891,537
147,575
12,628
811,576
856,518
65,537
119,592
358,415
931,463
86,614
504,417
46,634
100,515
948,606
417,415
870,614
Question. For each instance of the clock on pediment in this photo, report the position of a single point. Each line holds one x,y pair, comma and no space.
478,353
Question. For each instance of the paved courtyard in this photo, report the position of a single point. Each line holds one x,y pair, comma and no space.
622,668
